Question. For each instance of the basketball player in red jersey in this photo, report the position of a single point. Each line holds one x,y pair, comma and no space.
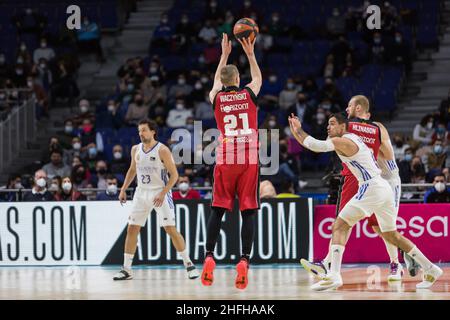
236,172
376,137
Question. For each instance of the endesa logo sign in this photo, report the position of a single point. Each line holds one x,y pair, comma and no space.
427,225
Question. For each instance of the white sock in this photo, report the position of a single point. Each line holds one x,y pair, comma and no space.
392,251
337,251
327,260
127,261
184,254
423,261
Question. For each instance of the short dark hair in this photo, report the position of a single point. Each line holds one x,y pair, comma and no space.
58,151
340,117
152,125
111,177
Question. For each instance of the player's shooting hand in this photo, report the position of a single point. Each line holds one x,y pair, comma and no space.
248,46
159,199
122,197
226,45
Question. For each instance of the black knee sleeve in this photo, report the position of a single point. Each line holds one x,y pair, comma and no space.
248,231
213,228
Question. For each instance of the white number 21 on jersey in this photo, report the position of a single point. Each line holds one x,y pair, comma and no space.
231,122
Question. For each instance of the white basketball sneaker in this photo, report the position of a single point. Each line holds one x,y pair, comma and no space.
123,275
192,271
318,269
430,276
395,272
329,282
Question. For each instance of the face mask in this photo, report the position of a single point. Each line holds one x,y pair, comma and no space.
398,39
377,40
164,21
77,146
213,4
207,184
30,84
201,59
130,87
272,123
117,155
326,106
28,11
84,109
68,129
430,125
440,130
20,60
87,128
184,21
23,47
408,157
153,69
41,182
320,116
19,72
18,186
180,106
247,4
101,171
190,127
290,86
111,189
42,65
43,44
273,79
92,152
53,187
198,86
437,149
2,60
86,22
181,82
275,19
204,80
184,186
111,108
67,186
439,186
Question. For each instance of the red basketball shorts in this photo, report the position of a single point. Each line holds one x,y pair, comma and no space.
231,180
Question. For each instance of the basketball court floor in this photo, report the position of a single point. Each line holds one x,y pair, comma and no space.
271,282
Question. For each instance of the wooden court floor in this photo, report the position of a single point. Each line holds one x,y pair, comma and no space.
270,282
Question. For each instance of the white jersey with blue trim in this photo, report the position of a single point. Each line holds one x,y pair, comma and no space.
362,164
151,173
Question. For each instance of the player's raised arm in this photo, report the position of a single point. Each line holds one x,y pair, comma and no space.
169,163
386,149
249,49
226,50
341,145
131,174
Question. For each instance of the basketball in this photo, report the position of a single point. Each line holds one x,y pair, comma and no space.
245,28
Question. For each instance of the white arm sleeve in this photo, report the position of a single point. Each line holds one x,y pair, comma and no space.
318,145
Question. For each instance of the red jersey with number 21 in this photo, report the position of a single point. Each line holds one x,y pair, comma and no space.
236,115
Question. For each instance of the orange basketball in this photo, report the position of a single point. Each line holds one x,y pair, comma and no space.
245,28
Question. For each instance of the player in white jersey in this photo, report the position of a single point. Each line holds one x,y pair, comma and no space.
154,166
374,196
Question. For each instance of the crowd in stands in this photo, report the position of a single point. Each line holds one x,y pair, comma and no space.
171,86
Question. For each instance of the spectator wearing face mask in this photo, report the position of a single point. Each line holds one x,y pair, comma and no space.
19,74
84,112
302,108
24,54
68,192
101,171
336,24
55,185
177,117
56,167
39,191
377,49
185,31
120,163
207,32
14,182
404,166
44,51
111,118
185,191
137,111
74,151
162,34
436,158
91,140
111,193
270,92
80,176
399,52
43,74
399,147
180,89
288,96
423,131
441,133
213,11
439,193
